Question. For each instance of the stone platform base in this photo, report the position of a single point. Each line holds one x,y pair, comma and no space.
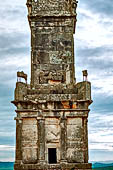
63,166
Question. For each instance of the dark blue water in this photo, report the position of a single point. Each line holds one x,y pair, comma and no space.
6,165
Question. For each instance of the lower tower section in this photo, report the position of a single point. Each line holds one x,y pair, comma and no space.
51,129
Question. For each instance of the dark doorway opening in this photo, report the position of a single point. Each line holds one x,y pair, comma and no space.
52,158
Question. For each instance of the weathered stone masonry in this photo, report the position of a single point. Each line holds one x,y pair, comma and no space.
52,112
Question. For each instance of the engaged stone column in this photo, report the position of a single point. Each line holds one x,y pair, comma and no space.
41,139
18,140
85,121
63,125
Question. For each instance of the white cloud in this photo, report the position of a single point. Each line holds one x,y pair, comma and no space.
7,148
101,132
101,146
12,23
12,65
7,134
92,29
103,84
10,159
93,33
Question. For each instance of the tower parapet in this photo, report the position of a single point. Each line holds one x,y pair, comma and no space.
48,8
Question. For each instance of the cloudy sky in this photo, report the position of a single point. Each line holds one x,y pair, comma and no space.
93,51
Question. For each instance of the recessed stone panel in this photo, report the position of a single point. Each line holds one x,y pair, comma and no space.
52,132
75,156
29,155
74,131
29,132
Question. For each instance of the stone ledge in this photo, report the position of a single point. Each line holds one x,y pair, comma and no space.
53,110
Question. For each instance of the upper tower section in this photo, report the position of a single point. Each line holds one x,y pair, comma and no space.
51,8
52,24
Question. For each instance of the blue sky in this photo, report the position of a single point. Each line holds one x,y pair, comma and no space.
93,51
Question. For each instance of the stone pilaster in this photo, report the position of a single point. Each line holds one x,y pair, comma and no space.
18,140
85,140
63,126
41,140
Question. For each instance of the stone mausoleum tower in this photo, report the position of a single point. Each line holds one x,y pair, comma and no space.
52,112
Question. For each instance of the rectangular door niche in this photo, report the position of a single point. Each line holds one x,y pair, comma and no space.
52,156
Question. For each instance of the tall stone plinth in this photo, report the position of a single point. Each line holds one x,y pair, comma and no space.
52,111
